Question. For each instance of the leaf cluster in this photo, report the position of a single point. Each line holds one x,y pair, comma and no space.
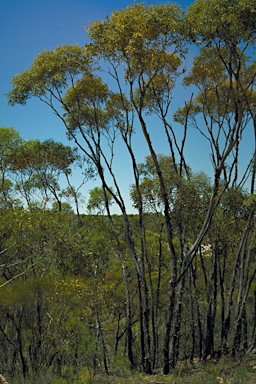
51,70
230,22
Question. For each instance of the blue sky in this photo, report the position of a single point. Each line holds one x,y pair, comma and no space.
31,26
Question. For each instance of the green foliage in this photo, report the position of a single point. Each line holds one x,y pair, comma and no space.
230,22
188,196
44,155
50,70
67,303
96,203
149,184
218,95
84,103
134,32
10,141
31,170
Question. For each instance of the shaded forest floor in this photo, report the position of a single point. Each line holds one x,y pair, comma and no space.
223,371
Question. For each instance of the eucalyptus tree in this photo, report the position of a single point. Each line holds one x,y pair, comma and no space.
10,141
96,202
140,49
37,168
223,111
145,43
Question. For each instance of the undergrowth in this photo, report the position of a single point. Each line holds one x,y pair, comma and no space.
222,371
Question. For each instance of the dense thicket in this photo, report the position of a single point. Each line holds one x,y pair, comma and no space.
174,281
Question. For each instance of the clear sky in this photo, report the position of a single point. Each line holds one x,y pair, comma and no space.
31,26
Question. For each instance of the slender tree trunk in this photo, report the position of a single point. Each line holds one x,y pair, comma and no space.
169,230
100,336
253,334
146,311
20,345
128,321
175,333
167,335
159,271
126,285
208,347
243,289
245,331
192,318
222,273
